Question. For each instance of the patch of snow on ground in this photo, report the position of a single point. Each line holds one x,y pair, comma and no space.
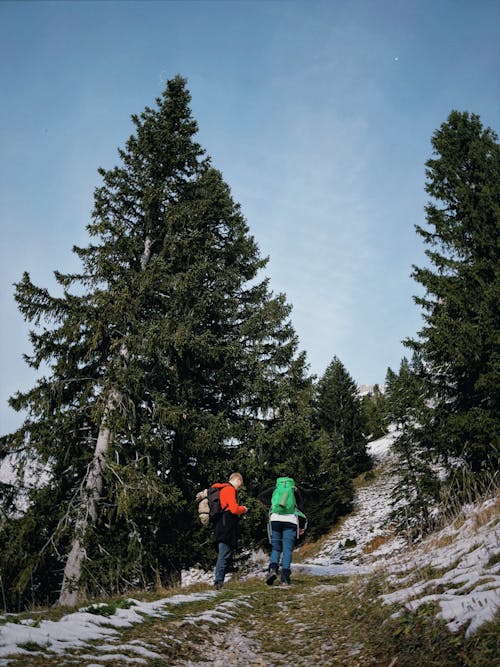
364,534
230,647
77,629
381,448
469,586
115,656
257,562
223,612
196,575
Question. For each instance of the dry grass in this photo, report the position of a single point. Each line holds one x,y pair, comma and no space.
439,542
488,513
376,543
367,478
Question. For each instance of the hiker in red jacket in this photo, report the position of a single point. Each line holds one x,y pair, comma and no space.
226,528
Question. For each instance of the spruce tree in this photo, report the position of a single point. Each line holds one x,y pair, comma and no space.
327,484
338,411
459,341
416,492
166,356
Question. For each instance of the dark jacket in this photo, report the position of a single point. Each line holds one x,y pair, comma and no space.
227,529
227,525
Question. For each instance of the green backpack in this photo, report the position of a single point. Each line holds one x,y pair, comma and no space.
283,498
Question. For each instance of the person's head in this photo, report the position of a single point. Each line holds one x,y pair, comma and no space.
236,479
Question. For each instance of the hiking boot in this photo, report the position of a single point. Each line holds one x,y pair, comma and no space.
271,577
285,577
218,585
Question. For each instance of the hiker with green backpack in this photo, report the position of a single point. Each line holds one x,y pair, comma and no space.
287,522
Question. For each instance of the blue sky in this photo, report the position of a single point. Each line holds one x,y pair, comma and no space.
318,114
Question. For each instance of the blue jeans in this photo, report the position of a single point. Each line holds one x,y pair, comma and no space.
282,541
222,561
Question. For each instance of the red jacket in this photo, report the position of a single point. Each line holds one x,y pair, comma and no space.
228,498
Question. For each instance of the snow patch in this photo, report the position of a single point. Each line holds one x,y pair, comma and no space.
77,629
465,553
469,586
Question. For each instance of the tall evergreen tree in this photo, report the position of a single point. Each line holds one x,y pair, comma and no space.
416,491
459,343
166,356
290,445
339,413
327,484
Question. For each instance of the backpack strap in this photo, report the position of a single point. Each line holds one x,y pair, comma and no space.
222,486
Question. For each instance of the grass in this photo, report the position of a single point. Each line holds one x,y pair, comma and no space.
31,646
325,621
376,543
494,560
332,621
104,609
47,613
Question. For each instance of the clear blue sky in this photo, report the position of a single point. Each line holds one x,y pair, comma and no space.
319,115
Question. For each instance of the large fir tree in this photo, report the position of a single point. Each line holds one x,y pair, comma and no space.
336,449
168,362
459,343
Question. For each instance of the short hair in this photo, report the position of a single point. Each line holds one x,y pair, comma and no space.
236,475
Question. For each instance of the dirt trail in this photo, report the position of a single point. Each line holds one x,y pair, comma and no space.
302,625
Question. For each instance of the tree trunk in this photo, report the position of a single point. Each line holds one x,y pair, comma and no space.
71,590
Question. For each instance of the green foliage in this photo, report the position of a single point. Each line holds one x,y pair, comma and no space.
168,341
285,445
327,489
417,489
336,449
375,414
459,341
108,609
338,412
32,646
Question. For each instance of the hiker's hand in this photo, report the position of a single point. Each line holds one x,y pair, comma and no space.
301,531
245,508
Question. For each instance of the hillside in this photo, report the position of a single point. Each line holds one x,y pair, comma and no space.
359,597
463,557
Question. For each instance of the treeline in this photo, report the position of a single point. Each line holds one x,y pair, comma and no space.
170,363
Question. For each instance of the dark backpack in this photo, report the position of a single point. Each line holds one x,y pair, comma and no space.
209,507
